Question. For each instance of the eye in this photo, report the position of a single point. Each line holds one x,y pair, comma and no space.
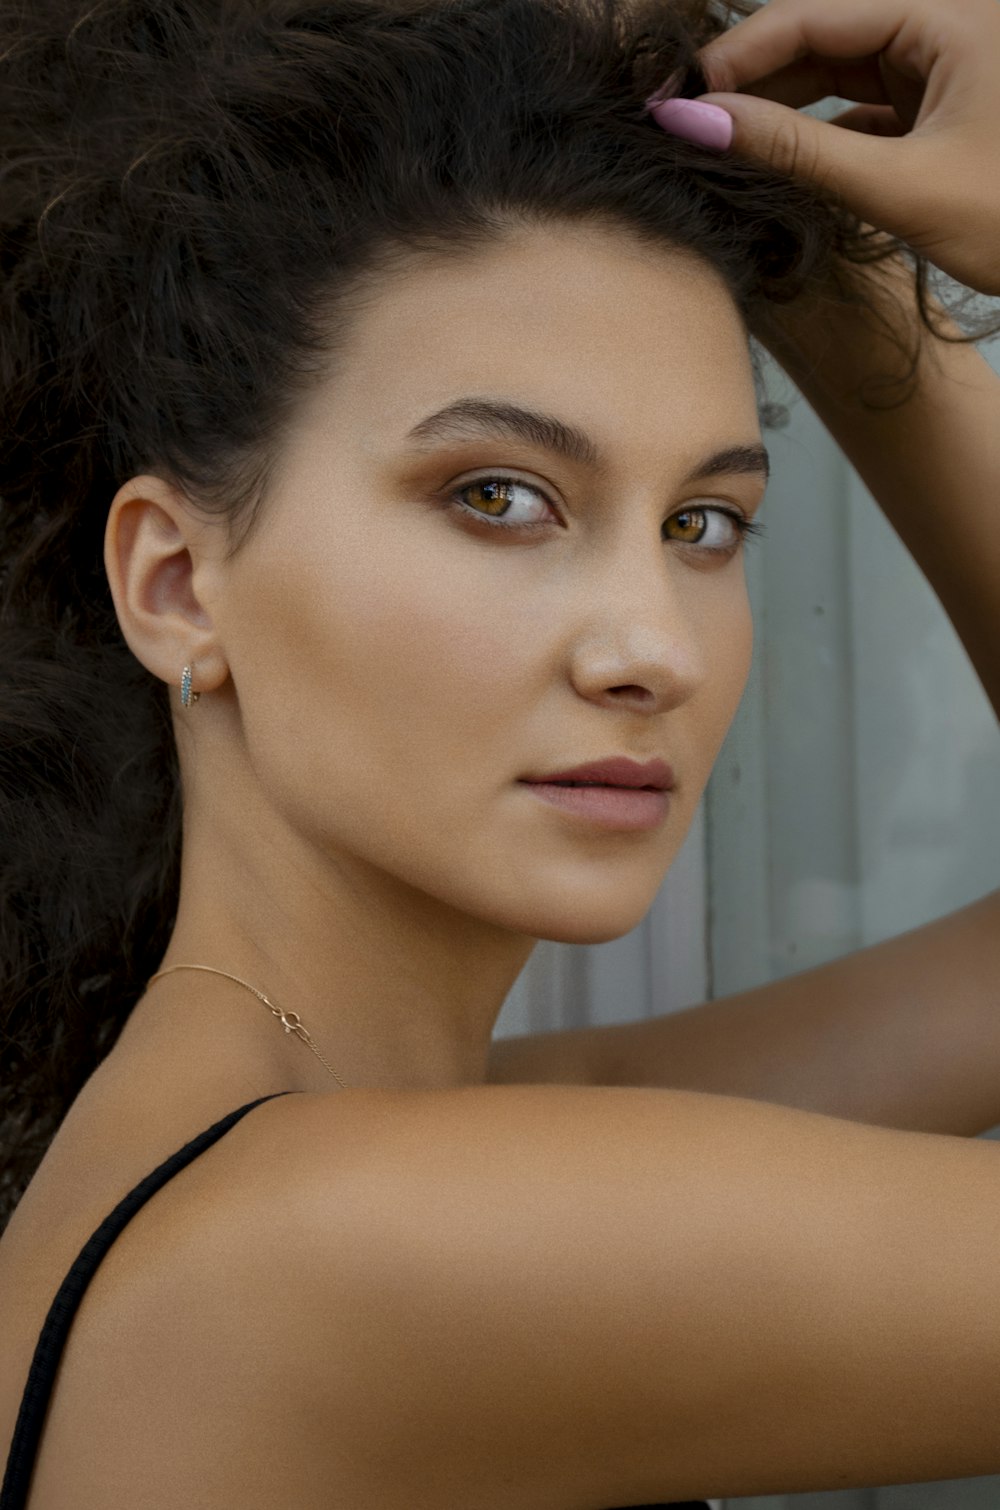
734,528
499,495
495,498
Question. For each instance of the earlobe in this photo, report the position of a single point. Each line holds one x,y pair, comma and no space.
156,562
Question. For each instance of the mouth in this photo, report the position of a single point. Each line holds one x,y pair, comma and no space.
616,773
602,805
607,786
597,785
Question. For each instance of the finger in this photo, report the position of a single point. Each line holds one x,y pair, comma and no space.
852,165
812,79
809,80
871,120
870,81
785,31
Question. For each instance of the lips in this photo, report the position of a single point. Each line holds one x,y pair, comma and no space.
617,771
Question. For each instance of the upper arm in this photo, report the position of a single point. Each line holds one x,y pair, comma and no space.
611,1296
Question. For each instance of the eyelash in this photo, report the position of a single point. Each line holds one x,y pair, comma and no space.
745,527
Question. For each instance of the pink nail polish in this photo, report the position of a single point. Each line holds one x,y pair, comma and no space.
708,125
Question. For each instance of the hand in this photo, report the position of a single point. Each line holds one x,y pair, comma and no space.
919,157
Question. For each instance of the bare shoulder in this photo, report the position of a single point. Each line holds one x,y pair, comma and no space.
517,1295
613,1295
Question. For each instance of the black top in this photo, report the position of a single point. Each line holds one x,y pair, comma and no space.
52,1338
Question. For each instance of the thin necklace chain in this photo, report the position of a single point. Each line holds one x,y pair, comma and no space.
290,1021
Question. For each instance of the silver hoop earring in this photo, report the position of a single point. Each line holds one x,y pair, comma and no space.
187,696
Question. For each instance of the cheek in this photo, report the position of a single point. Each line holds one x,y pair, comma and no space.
454,662
390,660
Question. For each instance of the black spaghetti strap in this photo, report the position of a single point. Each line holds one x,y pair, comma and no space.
673,1505
52,1338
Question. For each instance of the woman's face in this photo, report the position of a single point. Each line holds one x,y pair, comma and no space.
399,664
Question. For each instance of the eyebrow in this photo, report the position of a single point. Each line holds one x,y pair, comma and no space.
476,415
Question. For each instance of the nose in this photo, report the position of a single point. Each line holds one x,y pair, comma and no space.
644,637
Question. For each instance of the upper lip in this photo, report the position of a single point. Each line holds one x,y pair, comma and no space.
619,770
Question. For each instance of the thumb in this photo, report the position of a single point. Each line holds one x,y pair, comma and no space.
850,164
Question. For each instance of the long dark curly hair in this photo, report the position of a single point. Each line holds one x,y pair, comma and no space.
195,197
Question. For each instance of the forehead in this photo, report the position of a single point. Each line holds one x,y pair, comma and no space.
635,342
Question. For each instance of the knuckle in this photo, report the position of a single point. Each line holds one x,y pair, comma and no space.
719,71
787,149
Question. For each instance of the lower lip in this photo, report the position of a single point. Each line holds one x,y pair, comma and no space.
607,806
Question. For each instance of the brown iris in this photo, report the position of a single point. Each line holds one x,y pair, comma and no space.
698,515
495,491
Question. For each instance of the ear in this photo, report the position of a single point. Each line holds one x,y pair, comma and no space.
164,565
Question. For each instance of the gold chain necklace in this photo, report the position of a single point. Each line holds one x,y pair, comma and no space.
290,1021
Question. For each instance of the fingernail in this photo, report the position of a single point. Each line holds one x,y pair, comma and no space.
708,125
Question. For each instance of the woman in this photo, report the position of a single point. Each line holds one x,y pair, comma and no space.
382,434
